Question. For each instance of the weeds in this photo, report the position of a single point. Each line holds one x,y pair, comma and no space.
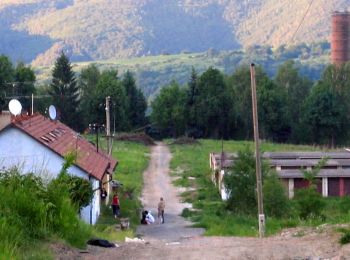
29,213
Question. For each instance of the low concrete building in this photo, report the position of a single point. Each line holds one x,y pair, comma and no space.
332,180
37,144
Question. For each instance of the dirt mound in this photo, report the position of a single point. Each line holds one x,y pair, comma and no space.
139,138
185,140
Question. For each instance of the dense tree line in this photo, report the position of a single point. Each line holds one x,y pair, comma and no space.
291,108
87,96
79,101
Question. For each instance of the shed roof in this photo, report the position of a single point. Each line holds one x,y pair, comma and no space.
61,139
337,164
335,173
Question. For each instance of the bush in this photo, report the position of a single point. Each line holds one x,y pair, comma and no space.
276,202
345,238
79,189
309,202
31,212
186,213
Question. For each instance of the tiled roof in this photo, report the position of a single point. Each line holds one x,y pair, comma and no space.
61,139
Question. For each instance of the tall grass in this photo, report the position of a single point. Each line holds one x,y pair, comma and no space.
31,212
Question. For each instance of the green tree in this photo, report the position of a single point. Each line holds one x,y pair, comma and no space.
240,183
325,115
136,102
6,76
297,89
88,81
110,85
192,95
168,110
24,77
272,111
65,92
213,105
337,80
240,87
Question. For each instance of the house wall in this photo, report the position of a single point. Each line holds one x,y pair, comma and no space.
90,213
21,150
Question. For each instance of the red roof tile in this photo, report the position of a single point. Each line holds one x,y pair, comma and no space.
61,139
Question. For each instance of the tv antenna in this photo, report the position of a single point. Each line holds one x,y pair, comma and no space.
52,112
15,107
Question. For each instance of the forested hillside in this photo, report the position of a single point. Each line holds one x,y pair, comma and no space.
38,30
153,72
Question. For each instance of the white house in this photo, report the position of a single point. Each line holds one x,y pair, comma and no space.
38,144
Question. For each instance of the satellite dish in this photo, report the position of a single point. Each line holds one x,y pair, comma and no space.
15,107
52,112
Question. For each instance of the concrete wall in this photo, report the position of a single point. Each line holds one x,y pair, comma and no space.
21,150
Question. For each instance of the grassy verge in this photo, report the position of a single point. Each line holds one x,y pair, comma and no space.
190,165
133,159
31,213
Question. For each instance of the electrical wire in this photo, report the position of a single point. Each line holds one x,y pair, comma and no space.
301,22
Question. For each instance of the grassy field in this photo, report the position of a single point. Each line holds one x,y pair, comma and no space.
210,211
133,159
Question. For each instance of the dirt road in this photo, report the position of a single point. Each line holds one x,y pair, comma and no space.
173,240
157,183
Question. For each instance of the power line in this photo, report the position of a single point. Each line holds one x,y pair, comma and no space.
301,22
19,82
35,96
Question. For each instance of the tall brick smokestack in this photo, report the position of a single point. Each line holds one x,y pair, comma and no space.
340,42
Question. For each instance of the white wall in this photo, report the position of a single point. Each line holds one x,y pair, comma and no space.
21,150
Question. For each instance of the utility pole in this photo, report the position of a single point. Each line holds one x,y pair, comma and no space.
96,127
261,216
109,146
108,126
32,104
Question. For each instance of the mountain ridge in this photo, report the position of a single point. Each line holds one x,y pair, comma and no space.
36,31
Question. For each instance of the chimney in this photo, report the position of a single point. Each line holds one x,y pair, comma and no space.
340,49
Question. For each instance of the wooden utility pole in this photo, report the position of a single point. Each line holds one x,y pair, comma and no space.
32,112
108,126
109,146
261,216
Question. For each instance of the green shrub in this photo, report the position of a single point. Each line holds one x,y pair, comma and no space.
345,238
309,202
31,212
276,202
79,189
186,213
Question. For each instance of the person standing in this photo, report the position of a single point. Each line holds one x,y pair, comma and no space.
115,205
161,207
